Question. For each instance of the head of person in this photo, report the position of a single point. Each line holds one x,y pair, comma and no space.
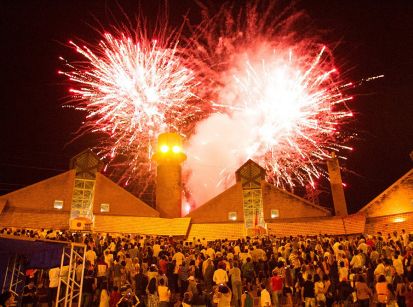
381,278
191,279
223,289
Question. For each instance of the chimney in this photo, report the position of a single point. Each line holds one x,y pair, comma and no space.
169,156
339,200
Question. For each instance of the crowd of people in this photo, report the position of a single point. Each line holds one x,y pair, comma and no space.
139,270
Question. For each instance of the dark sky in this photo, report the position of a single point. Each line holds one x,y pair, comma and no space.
374,37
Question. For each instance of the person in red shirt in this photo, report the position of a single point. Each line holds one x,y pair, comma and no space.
163,263
115,297
276,288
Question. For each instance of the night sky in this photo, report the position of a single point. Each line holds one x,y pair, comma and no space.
368,38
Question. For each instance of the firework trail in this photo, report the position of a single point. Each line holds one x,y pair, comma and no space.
279,99
133,88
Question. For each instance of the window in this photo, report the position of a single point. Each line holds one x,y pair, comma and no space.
275,213
58,204
104,207
232,216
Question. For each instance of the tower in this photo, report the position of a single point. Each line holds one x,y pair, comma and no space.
336,184
86,165
169,156
250,174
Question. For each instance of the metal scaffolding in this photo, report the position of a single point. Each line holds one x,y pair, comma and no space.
69,290
253,208
14,277
250,175
82,200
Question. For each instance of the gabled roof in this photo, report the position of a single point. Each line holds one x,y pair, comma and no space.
3,203
249,173
86,164
401,180
217,208
303,200
121,202
42,194
231,200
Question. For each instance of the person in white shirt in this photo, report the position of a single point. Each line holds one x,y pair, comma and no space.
54,275
164,294
237,250
179,258
91,256
204,243
357,260
342,272
220,276
380,269
398,263
156,249
108,258
265,298
363,246
210,252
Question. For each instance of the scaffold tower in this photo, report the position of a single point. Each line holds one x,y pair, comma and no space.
250,175
86,165
69,290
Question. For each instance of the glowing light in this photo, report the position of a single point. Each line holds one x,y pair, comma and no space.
399,220
176,149
164,148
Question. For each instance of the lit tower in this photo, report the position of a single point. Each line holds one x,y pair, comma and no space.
336,184
169,156
86,164
250,174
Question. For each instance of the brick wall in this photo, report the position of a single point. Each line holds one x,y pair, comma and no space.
120,201
289,205
397,199
34,218
42,195
390,223
215,231
216,210
142,225
315,226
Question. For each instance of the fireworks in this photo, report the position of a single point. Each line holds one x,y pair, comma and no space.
280,96
132,89
276,97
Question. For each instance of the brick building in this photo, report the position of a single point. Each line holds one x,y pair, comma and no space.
393,208
84,199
